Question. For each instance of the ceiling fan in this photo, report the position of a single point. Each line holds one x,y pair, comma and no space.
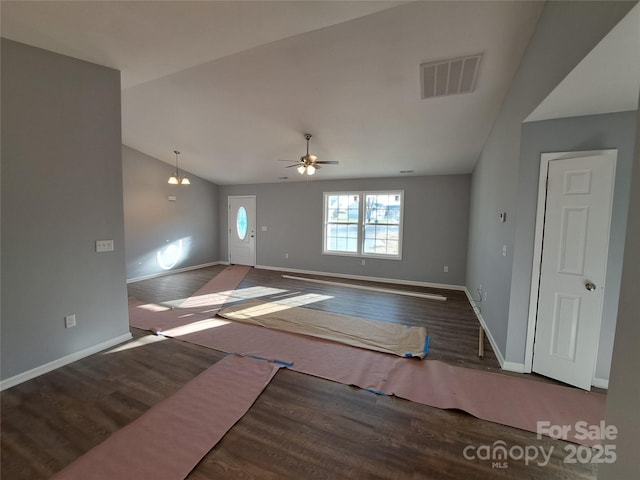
309,163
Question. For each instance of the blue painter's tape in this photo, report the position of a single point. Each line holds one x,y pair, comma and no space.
408,355
257,357
425,349
279,362
282,362
377,392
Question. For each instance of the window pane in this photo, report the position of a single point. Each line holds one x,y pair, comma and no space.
381,239
382,208
342,238
242,223
341,228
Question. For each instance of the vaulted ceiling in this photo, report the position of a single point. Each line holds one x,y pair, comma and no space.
235,85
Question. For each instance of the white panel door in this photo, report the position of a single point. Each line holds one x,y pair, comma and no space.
573,268
242,230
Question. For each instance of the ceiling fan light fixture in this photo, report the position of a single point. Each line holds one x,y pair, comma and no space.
173,180
308,163
185,181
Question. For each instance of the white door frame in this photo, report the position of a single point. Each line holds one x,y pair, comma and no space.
253,233
545,158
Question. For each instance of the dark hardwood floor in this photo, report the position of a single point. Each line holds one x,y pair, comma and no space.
300,427
452,325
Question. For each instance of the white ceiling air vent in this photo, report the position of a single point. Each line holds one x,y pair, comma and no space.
449,77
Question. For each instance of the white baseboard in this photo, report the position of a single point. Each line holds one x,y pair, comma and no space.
61,362
600,382
171,272
365,278
487,332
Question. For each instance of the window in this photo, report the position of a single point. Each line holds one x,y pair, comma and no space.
342,211
382,224
242,223
367,224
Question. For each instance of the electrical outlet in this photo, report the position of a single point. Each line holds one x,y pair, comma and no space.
69,321
363,262
286,255
480,287
446,269
485,296
104,245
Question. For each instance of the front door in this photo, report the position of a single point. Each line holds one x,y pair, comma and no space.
573,268
242,230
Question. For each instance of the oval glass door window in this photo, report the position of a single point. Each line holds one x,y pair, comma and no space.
242,223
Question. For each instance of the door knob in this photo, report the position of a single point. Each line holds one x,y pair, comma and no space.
590,286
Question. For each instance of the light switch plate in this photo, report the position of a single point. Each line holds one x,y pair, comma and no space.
69,321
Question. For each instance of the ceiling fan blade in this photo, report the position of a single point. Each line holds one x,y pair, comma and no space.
294,165
327,162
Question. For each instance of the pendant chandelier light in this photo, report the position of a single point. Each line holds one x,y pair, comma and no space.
176,178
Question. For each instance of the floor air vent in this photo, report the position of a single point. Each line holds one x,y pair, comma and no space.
449,77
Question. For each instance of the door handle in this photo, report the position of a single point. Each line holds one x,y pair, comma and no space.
590,286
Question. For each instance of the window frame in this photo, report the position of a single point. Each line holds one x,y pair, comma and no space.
361,224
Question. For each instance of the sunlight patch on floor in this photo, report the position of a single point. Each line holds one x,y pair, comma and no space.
305,299
280,305
135,343
219,298
153,307
199,326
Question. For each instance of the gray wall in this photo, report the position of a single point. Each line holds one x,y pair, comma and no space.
436,214
597,132
61,191
566,32
153,223
623,397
